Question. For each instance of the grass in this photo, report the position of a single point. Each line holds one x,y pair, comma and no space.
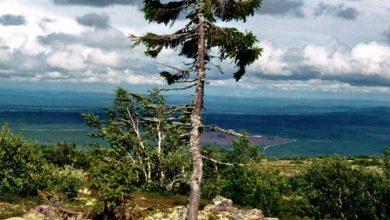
294,166
17,207
151,201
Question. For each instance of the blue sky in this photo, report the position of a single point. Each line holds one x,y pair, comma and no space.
312,48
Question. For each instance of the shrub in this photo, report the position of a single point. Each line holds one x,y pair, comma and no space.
64,153
250,186
112,181
237,178
335,190
65,181
24,171
243,151
21,166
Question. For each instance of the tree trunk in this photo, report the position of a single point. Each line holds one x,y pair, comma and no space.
196,178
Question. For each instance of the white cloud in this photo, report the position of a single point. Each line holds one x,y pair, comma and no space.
98,57
54,75
271,61
116,77
328,60
68,60
313,85
17,40
363,59
372,59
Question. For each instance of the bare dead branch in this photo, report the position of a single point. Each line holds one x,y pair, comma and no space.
181,124
178,88
177,69
229,131
224,163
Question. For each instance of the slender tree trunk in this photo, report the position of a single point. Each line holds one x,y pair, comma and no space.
196,179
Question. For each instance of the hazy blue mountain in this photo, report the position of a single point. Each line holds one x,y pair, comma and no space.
258,105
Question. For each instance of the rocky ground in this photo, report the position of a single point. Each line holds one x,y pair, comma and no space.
221,208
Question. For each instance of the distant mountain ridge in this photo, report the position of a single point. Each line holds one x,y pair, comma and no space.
260,105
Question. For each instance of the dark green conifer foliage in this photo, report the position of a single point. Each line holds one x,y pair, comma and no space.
195,41
232,44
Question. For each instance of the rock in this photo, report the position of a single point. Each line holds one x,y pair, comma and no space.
222,204
15,218
248,214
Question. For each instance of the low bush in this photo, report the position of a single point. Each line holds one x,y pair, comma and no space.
22,166
24,171
335,190
252,187
112,182
66,154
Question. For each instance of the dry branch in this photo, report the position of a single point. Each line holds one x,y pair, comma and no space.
230,131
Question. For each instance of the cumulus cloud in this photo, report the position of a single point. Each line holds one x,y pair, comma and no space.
271,61
99,57
57,39
96,3
282,7
69,52
100,21
363,60
340,11
312,85
70,59
365,64
12,20
88,57
110,39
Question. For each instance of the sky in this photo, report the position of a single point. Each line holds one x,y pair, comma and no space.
312,48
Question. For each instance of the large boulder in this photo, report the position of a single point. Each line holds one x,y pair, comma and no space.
222,204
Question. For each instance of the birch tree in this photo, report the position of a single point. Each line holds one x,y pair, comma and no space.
144,131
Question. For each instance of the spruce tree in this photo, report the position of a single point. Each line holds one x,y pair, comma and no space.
195,41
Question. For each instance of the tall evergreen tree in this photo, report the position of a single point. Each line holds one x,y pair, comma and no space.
195,41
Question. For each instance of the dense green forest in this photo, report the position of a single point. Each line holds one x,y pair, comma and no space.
143,166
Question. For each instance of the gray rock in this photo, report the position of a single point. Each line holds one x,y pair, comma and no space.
222,204
248,214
